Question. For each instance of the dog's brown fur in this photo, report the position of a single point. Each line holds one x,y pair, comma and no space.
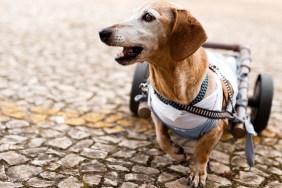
177,69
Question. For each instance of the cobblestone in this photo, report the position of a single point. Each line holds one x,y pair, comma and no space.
93,166
36,142
179,168
147,186
165,177
276,171
105,147
17,124
13,139
37,182
51,175
140,159
134,144
216,181
250,178
80,145
137,177
118,168
22,172
13,158
129,185
77,134
145,170
124,153
94,154
119,161
3,175
71,160
274,184
161,161
62,143
70,182
92,179
180,183
111,178
10,184
64,116
219,168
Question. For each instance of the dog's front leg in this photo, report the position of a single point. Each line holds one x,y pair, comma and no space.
202,151
166,144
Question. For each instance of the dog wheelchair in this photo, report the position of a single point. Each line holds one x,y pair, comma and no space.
258,105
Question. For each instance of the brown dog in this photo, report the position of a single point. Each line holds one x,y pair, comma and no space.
170,38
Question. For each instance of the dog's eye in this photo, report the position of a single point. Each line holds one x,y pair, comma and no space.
148,17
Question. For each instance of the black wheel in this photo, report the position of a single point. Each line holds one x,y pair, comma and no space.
140,76
261,102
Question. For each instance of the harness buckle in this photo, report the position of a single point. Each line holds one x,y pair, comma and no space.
144,93
140,98
236,118
144,87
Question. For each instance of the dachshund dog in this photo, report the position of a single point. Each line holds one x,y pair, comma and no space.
170,39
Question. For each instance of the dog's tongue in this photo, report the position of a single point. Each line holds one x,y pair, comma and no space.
127,50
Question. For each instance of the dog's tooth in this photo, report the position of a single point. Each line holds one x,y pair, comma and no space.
120,55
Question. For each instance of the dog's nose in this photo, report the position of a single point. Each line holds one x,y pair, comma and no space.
105,34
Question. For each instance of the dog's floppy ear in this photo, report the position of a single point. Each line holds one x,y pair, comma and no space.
187,35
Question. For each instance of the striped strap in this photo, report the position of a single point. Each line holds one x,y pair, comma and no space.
227,85
212,114
202,92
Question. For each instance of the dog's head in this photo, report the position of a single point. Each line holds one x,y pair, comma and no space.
159,30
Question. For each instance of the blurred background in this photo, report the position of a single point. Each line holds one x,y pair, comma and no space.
64,101
50,53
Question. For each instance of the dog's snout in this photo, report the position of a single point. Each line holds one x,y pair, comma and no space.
105,35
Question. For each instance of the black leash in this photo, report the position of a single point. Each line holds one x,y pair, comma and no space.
212,114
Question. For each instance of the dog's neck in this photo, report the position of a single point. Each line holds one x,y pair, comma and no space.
180,81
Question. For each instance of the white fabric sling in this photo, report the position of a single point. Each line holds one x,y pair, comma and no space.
184,120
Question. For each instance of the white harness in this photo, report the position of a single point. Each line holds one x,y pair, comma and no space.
194,126
184,120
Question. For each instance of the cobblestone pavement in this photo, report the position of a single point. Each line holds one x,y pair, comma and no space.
64,117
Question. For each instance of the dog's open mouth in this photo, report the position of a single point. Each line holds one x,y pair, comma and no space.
128,54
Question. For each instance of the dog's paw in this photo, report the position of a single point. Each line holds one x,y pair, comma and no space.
197,178
178,158
177,153
177,149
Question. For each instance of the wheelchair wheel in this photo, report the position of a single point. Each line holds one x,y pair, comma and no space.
261,102
140,76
